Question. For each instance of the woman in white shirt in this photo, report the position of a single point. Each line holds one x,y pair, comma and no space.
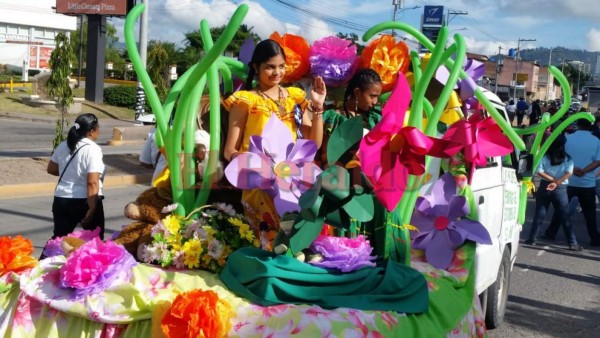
78,194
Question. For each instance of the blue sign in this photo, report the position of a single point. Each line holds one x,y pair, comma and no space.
433,15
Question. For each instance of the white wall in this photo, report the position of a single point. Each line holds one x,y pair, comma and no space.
29,20
37,13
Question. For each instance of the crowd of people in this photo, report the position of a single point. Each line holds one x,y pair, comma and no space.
569,177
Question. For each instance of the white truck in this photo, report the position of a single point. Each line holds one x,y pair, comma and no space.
496,191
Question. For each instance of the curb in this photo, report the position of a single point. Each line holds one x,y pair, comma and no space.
47,189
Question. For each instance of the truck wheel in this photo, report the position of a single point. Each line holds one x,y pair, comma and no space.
497,294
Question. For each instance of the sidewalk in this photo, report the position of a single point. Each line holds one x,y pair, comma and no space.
122,169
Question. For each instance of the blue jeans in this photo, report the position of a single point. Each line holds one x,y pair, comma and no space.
560,201
587,201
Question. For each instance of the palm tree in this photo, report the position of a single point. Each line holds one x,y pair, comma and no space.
158,63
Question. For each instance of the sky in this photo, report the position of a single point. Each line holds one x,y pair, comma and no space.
489,24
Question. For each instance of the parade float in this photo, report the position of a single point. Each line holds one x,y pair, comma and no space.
417,246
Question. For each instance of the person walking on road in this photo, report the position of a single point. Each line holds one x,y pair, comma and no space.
511,109
584,148
78,163
555,168
521,109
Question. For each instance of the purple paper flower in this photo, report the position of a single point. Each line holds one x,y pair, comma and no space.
334,59
344,254
466,88
276,165
96,266
441,223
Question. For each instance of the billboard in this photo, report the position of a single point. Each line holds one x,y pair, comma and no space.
39,57
99,7
433,15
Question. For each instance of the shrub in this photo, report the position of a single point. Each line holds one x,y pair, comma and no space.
122,96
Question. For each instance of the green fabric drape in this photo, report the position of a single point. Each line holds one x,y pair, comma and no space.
268,279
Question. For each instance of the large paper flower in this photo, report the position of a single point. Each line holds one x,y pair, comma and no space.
344,254
334,59
390,151
277,165
479,138
15,254
440,218
297,53
96,266
197,313
466,87
387,57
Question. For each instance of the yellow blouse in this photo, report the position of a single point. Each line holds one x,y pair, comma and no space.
260,110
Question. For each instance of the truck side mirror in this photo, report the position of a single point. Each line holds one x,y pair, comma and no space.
525,166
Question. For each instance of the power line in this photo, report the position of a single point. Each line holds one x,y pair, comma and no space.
327,18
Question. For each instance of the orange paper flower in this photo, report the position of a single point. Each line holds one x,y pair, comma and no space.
197,313
387,57
297,53
15,254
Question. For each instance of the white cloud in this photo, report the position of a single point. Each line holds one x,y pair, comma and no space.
593,40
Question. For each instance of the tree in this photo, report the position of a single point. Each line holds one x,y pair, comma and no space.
58,84
354,38
158,63
193,39
112,53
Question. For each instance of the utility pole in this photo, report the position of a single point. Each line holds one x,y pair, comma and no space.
397,4
499,64
455,13
517,65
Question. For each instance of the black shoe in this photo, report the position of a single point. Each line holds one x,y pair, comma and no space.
575,247
548,237
531,242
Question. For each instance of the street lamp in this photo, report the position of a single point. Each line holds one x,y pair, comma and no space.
517,65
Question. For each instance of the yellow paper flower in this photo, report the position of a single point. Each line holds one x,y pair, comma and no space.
387,57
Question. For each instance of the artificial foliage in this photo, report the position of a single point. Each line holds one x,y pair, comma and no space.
204,242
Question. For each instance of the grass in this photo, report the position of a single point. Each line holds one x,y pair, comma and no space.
11,103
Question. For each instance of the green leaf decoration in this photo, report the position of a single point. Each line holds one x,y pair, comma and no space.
304,233
361,207
343,138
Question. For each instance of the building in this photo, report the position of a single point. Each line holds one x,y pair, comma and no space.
27,31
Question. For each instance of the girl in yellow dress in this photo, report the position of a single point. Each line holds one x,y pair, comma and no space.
249,111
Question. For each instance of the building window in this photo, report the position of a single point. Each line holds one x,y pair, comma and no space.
48,34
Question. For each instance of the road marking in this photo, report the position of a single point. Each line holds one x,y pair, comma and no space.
524,270
540,252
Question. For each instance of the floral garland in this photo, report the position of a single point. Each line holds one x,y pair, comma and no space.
203,243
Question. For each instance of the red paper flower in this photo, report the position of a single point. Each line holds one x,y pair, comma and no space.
388,58
197,313
480,138
297,54
390,151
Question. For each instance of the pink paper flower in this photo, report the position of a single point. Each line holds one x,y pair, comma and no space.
53,247
96,266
